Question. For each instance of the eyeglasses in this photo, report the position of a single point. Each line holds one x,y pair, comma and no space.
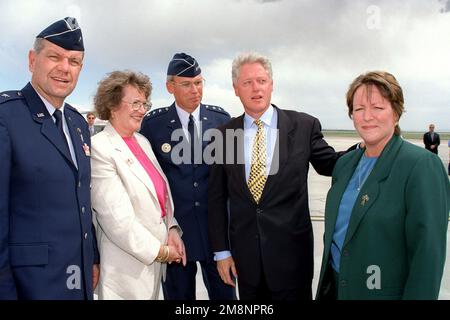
137,105
188,85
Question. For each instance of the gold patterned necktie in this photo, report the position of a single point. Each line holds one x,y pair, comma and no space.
258,176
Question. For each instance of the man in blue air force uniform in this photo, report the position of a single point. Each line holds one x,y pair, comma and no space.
47,244
188,180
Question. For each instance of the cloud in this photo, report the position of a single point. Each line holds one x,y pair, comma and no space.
446,7
267,1
316,48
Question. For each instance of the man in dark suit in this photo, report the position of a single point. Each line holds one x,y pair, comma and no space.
47,240
266,238
188,178
431,140
93,129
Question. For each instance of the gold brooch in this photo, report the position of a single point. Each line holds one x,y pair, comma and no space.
364,199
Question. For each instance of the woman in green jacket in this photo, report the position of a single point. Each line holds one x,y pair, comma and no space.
387,211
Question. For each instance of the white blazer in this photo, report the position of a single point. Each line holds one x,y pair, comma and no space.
127,214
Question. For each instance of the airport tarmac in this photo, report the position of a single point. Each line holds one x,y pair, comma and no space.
318,187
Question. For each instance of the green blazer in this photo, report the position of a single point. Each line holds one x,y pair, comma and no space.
396,239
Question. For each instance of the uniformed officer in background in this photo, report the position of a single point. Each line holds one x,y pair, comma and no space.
188,180
47,241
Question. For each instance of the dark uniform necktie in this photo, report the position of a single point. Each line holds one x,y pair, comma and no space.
193,140
59,124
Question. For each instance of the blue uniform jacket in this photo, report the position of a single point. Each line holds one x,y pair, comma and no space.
188,182
47,243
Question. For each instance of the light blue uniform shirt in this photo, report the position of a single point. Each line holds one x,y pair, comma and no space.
184,119
348,200
51,109
270,121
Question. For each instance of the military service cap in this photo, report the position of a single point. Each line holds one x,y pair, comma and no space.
65,33
183,65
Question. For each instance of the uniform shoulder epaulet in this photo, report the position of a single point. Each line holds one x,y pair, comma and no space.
157,113
10,95
216,109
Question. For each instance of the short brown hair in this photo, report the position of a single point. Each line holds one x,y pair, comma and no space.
110,90
387,85
90,113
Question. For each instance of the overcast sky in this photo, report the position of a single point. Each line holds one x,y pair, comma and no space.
316,47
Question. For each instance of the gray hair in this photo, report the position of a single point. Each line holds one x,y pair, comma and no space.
249,57
170,78
39,45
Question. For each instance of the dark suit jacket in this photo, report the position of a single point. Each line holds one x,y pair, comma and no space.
276,234
47,243
428,142
97,129
188,182
400,228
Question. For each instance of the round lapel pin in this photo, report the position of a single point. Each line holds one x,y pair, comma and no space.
166,148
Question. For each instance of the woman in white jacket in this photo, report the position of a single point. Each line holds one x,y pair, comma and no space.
132,204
